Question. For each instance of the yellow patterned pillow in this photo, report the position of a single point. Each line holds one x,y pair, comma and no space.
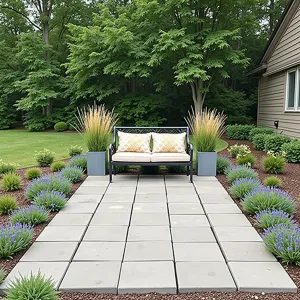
168,143
134,142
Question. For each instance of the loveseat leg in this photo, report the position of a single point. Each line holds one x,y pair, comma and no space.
191,174
187,170
110,172
115,170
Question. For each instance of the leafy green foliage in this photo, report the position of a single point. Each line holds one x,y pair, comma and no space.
149,170
238,132
33,173
50,200
122,169
36,127
240,150
73,174
11,182
238,172
274,142
7,204
222,163
57,166
2,275
292,151
272,181
259,130
78,161
176,169
246,160
259,141
61,126
6,167
31,215
44,157
75,150
273,164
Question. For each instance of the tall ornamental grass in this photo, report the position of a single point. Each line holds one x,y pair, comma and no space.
95,124
206,127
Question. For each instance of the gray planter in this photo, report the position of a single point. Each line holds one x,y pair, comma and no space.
96,163
206,163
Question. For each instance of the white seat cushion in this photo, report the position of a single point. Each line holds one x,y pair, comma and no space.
169,157
131,157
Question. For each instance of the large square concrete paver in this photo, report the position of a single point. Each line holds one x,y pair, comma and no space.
204,276
222,209
216,199
100,251
114,189
103,218
118,197
150,208
90,190
197,252
97,178
85,198
180,198
231,220
79,208
151,198
147,277
148,233
99,277
204,178
70,220
204,190
150,219
188,220
185,209
148,251
55,270
237,234
246,251
50,251
150,189
267,277
207,183
61,234
179,190
105,234
192,235
112,207
95,183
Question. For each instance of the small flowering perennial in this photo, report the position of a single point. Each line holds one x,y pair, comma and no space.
74,174
14,238
284,242
48,183
270,217
268,198
50,200
237,172
243,186
79,161
31,215
239,150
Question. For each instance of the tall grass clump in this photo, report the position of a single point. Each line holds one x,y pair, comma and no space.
207,127
95,124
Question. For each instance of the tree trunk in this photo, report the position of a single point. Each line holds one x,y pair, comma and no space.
198,96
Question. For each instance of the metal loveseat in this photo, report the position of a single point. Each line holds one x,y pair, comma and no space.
150,159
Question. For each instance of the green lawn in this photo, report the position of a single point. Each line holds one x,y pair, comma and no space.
19,146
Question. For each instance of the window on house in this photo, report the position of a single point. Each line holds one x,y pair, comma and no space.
293,90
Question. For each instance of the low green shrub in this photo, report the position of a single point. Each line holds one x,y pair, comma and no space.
284,242
273,163
33,173
78,161
272,181
57,166
269,218
236,150
259,141
36,127
7,204
274,142
222,164
6,167
238,172
259,130
176,169
238,132
122,169
33,287
243,186
73,174
30,215
75,150
44,157
2,275
11,182
50,200
61,126
268,198
246,160
292,151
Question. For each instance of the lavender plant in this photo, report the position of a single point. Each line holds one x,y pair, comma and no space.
31,215
270,217
78,161
14,238
283,241
74,174
222,163
243,186
268,198
50,200
48,183
238,172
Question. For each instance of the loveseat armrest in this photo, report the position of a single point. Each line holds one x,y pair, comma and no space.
190,151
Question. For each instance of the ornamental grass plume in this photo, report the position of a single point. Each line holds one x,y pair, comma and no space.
206,128
95,124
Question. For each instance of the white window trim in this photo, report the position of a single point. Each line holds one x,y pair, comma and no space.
296,107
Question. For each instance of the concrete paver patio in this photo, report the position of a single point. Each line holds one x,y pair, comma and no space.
144,234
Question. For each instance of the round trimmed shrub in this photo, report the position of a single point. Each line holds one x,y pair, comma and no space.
246,160
259,130
238,172
44,158
238,132
14,238
74,174
33,173
284,242
222,163
270,217
274,142
243,186
31,215
33,287
236,150
272,181
61,126
292,151
78,161
75,150
11,182
268,198
7,204
273,164
259,141
48,183
57,166
6,167
50,200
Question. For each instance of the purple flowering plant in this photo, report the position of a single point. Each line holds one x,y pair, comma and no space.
14,238
50,200
263,198
31,215
74,174
270,217
243,186
78,161
283,241
237,172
